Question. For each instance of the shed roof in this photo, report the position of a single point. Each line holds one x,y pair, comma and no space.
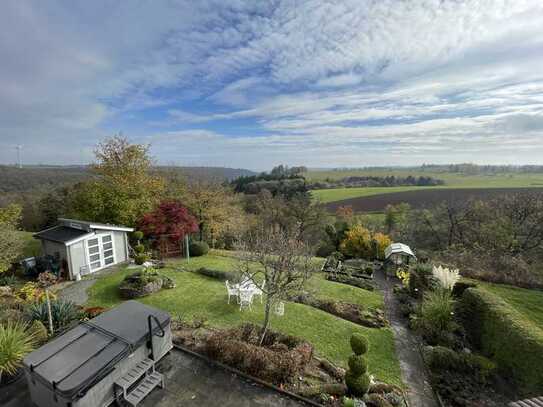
93,225
398,248
60,234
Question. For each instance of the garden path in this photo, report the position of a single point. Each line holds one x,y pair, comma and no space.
420,393
76,291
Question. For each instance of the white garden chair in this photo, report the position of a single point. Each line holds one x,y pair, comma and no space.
245,299
259,291
232,292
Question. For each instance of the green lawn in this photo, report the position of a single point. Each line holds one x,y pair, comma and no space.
528,302
197,295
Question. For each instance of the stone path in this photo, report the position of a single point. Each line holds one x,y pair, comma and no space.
77,291
190,382
420,393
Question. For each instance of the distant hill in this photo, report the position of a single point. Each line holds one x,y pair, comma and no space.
42,178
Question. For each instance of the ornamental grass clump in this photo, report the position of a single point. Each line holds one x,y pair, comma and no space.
436,317
357,378
15,343
447,278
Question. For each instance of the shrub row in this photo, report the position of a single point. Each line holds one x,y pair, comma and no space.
218,274
354,281
280,359
441,358
506,336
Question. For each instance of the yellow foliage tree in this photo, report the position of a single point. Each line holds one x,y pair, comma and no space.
11,243
382,241
357,243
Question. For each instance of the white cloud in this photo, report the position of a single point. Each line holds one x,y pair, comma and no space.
327,82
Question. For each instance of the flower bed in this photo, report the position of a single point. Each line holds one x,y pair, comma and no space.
371,318
143,283
280,358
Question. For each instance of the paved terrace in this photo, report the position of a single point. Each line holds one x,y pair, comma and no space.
190,382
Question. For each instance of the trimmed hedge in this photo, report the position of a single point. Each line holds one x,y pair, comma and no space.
197,248
506,336
218,274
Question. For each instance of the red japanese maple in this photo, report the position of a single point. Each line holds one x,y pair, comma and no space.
171,219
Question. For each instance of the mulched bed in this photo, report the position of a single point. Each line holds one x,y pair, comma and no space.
371,318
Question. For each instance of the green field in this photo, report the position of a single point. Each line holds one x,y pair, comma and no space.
197,295
452,180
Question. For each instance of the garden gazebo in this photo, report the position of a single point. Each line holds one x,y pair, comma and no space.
399,254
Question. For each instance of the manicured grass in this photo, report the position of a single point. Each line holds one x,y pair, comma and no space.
197,295
528,302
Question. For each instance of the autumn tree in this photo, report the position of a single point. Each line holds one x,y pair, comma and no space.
171,219
11,242
381,242
396,217
357,243
124,185
278,258
215,207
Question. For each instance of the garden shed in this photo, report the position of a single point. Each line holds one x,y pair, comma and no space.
399,253
85,247
110,357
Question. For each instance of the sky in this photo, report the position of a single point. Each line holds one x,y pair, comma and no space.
252,84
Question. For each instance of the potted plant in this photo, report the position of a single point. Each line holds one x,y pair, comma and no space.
15,343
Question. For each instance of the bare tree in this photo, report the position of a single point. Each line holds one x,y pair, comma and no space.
277,258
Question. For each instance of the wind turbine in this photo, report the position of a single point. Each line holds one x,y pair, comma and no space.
19,158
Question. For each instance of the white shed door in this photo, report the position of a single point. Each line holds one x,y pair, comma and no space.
101,252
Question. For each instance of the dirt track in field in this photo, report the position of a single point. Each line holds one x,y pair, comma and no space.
423,198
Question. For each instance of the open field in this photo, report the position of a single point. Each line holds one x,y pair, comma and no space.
452,181
420,198
197,295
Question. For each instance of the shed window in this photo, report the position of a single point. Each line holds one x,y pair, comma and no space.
93,242
108,246
106,239
94,249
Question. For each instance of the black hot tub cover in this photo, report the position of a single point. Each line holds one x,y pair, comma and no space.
73,362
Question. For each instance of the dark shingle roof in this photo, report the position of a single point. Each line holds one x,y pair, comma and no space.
61,234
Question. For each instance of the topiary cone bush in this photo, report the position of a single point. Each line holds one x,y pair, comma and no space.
357,378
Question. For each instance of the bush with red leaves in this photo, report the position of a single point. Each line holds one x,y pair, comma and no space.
170,218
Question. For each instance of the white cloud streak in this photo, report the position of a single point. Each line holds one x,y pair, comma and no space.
319,82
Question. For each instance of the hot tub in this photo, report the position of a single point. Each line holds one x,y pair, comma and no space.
111,356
